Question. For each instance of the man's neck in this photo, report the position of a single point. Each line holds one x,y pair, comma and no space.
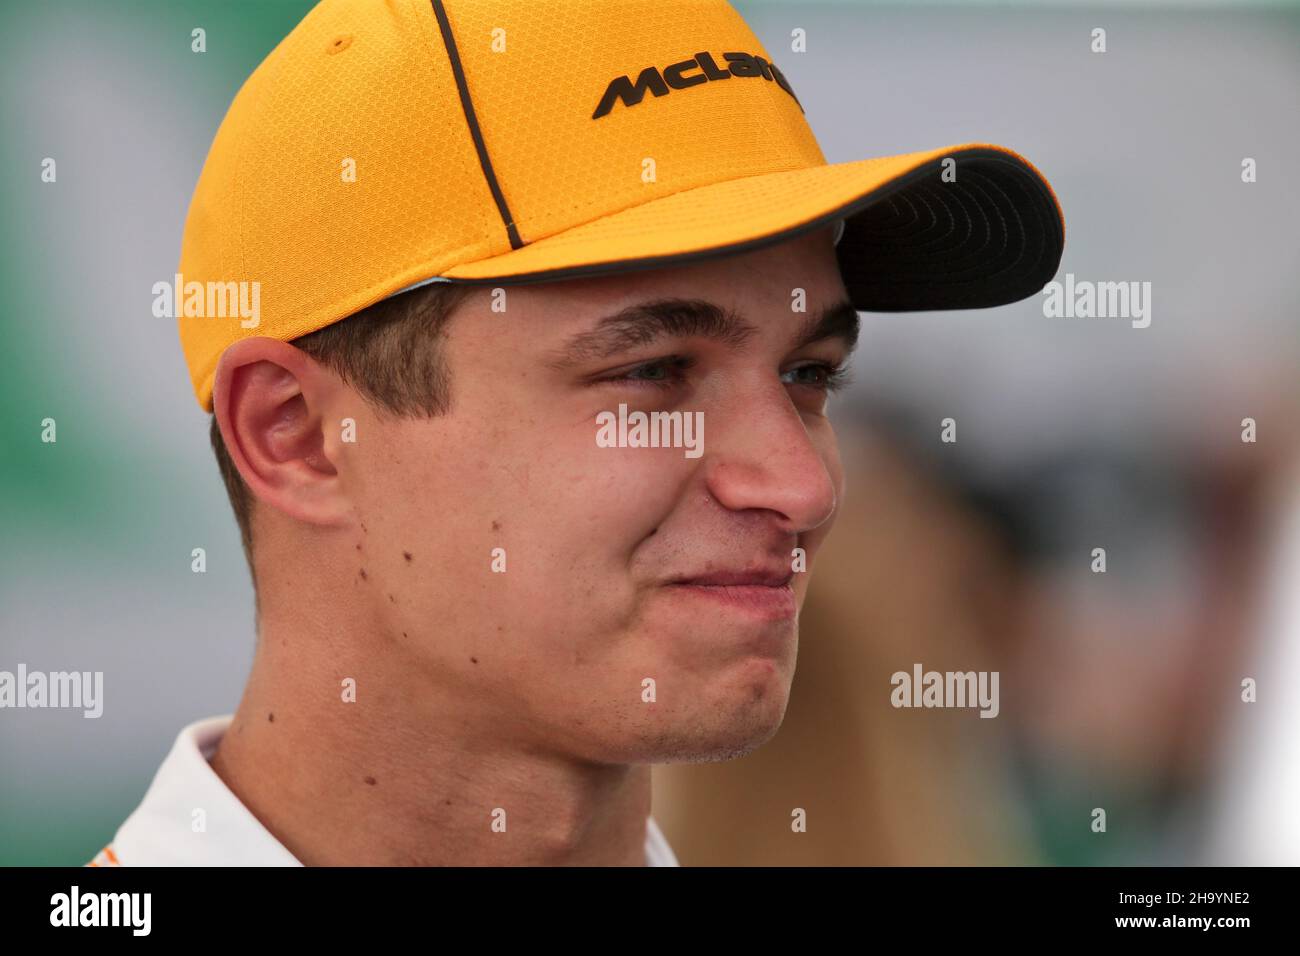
408,775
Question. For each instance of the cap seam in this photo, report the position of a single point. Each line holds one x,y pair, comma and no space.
471,118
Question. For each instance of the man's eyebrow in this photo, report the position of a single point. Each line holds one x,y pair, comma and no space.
837,321
641,324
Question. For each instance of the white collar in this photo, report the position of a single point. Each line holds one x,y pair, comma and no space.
162,831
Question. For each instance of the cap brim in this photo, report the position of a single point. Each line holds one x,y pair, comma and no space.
988,233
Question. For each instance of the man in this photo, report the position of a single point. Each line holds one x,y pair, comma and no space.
526,427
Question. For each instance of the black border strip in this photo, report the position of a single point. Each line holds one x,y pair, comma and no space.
449,41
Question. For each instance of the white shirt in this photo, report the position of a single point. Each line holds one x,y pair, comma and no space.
160,831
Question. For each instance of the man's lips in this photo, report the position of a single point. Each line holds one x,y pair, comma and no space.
765,577
764,593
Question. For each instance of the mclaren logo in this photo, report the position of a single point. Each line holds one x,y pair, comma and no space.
701,68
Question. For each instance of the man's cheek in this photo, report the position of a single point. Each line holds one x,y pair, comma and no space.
644,481
564,605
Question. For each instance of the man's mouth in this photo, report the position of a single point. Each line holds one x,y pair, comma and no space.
764,593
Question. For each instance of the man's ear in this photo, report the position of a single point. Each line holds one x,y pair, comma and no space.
271,401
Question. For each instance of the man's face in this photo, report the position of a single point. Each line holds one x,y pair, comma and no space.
648,606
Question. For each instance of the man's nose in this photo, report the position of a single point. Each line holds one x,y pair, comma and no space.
760,455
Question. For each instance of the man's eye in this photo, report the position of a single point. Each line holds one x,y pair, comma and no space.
662,372
818,375
671,370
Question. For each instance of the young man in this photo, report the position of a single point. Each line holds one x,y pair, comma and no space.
523,415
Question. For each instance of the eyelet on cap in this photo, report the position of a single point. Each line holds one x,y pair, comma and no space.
339,44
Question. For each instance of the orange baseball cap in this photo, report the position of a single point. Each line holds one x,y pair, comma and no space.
381,146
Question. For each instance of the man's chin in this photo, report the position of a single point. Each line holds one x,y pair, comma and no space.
716,746
724,722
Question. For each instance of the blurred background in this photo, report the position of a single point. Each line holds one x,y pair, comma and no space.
1119,690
